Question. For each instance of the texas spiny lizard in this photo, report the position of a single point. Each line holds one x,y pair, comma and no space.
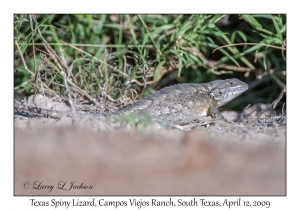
178,104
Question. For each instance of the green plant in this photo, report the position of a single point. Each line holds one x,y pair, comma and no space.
113,57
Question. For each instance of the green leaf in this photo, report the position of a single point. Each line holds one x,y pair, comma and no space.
157,72
229,56
252,21
265,59
242,35
279,35
283,29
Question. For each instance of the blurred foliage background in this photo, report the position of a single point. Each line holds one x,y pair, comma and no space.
121,58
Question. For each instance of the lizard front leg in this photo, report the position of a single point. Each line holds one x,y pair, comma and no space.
214,113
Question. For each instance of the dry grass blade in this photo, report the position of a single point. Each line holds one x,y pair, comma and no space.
93,57
244,111
37,71
26,68
275,102
163,71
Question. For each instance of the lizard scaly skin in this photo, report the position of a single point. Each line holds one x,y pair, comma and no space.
177,104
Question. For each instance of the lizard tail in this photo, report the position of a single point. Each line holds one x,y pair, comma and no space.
19,107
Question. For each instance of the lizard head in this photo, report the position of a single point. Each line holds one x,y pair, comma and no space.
223,91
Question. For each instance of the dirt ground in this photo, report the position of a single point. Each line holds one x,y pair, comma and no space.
56,157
